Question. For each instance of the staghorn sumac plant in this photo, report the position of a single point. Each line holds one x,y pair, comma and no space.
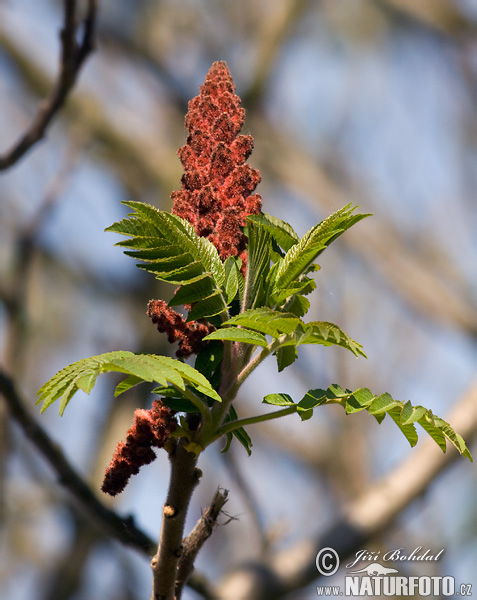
242,276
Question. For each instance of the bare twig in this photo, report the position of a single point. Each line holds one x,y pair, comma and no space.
123,529
276,28
192,544
14,295
248,496
441,16
73,56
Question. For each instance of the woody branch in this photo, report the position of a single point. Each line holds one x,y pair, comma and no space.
72,57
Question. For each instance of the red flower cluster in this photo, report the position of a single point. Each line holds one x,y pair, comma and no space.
151,428
188,334
217,183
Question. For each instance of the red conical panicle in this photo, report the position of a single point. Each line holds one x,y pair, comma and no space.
217,185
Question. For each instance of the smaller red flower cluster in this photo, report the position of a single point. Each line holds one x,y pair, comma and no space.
188,334
151,428
217,185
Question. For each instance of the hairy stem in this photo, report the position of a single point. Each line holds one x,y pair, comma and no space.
203,408
234,386
184,478
229,427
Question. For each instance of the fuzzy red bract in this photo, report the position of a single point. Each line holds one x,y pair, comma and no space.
151,428
217,185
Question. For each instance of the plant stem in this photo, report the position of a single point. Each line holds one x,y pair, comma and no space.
184,478
203,408
229,427
231,384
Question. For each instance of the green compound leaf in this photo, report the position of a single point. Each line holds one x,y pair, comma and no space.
82,375
288,329
402,413
299,257
171,249
172,233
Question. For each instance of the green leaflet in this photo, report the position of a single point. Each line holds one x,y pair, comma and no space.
411,414
278,400
408,429
177,400
295,262
198,289
177,255
240,434
208,360
282,232
266,321
286,355
139,367
298,305
125,385
301,287
303,408
402,413
207,307
234,280
258,266
329,334
234,334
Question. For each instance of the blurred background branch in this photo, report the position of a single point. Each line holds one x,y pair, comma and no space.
73,55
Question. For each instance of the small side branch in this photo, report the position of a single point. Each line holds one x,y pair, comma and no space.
72,58
192,544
